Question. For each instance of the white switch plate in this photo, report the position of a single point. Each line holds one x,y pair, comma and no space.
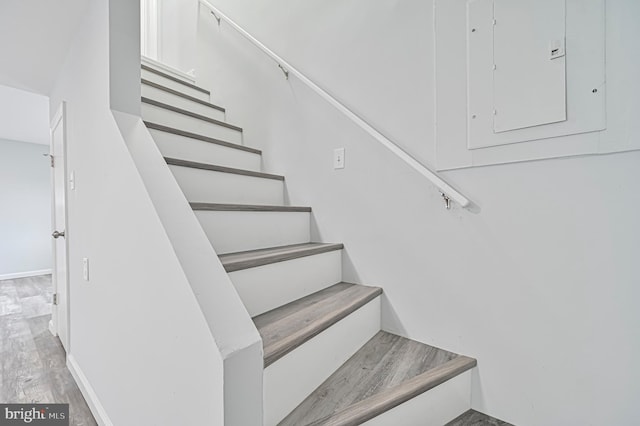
338,158
85,269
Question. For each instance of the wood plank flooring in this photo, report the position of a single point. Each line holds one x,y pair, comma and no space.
285,328
174,131
252,258
190,114
374,380
474,418
32,361
222,169
216,207
182,95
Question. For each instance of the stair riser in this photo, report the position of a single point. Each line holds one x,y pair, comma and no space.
266,287
194,125
217,187
180,102
288,381
147,75
233,231
435,407
183,148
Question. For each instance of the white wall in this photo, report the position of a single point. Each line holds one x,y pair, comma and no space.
24,116
177,33
137,333
376,57
540,287
25,194
27,27
612,34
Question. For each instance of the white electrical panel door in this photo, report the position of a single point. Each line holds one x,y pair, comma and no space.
535,74
529,75
535,70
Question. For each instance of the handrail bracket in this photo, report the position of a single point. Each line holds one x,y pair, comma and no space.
447,200
285,71
216,16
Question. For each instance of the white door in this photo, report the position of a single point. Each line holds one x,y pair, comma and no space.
60,310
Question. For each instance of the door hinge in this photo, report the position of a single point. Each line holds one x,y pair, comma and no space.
52,160
55,299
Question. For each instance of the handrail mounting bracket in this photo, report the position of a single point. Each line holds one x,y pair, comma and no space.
447,200
216,16
285,71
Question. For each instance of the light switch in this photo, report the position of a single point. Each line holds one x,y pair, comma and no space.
85,269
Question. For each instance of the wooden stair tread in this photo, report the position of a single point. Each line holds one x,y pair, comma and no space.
176,79
173,130
387,371
223,169
285,328
475,418
182,95
247,208
249,259
189,113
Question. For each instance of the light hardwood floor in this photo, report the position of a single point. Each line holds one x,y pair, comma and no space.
32,361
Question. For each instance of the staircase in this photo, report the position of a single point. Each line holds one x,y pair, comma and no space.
326,360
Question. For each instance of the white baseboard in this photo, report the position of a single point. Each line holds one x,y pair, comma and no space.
52,329
25,274
89,395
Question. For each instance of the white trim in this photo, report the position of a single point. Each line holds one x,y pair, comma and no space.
98,411
60,117
191,78
159,32
55,120
53,323
26,274
149,36
143,28
432,176
52,328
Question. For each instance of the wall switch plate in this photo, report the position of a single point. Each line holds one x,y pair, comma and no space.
338,158
85,269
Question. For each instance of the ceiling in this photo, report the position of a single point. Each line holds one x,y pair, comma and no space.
35,36
24,116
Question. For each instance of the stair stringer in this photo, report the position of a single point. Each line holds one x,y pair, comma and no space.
231,327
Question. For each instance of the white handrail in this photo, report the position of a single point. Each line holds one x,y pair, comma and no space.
447,191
